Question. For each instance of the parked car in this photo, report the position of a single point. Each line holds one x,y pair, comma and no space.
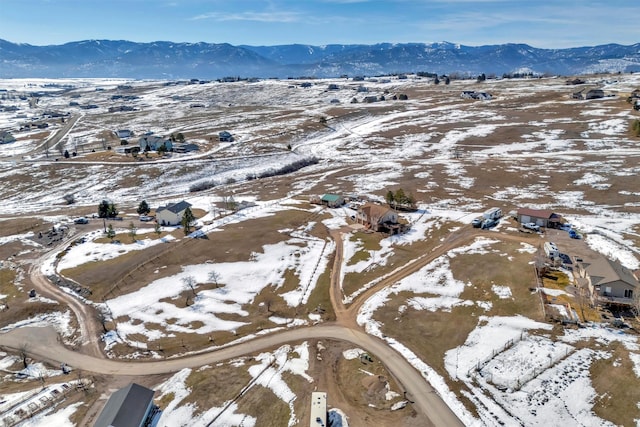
146,218
531,226
574,234
81,220
476,223
488,223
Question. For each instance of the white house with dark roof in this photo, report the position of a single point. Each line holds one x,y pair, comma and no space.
131,406
171,213
153,142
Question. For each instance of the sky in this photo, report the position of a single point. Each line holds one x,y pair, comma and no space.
541,23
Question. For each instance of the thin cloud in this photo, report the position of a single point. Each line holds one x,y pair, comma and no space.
279,17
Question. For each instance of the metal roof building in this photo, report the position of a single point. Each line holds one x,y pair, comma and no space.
131,406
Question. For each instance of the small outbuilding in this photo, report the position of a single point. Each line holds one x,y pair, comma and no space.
540,217
124,133
332,200
6,137
594,94
131,406
225,136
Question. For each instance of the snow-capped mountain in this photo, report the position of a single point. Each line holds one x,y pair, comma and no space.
162,59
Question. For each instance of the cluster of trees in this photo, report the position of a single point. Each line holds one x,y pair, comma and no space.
400,199
107,209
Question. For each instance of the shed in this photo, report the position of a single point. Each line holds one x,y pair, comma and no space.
225,136
594,94
6,137
541,217
332,200
124,133
131,406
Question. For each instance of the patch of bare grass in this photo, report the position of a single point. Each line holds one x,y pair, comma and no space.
205,385
255,402
319,300
616,385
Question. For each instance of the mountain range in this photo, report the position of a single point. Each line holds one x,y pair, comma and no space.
168,60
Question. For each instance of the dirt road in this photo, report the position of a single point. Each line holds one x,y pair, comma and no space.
43,343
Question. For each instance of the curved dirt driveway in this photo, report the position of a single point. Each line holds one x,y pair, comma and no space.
44,343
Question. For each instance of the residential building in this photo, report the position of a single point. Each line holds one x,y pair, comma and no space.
172,213
376,217
153,142
609,282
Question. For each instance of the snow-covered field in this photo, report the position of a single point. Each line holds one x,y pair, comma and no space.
457,157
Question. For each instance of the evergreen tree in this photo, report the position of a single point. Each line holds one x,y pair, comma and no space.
390,197
110,232
143,208
103,209
112,212
132,231
187,220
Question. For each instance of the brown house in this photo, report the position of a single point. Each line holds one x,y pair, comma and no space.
377,217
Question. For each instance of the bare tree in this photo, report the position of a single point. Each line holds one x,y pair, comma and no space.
103,319
214,277
23,354
189,283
